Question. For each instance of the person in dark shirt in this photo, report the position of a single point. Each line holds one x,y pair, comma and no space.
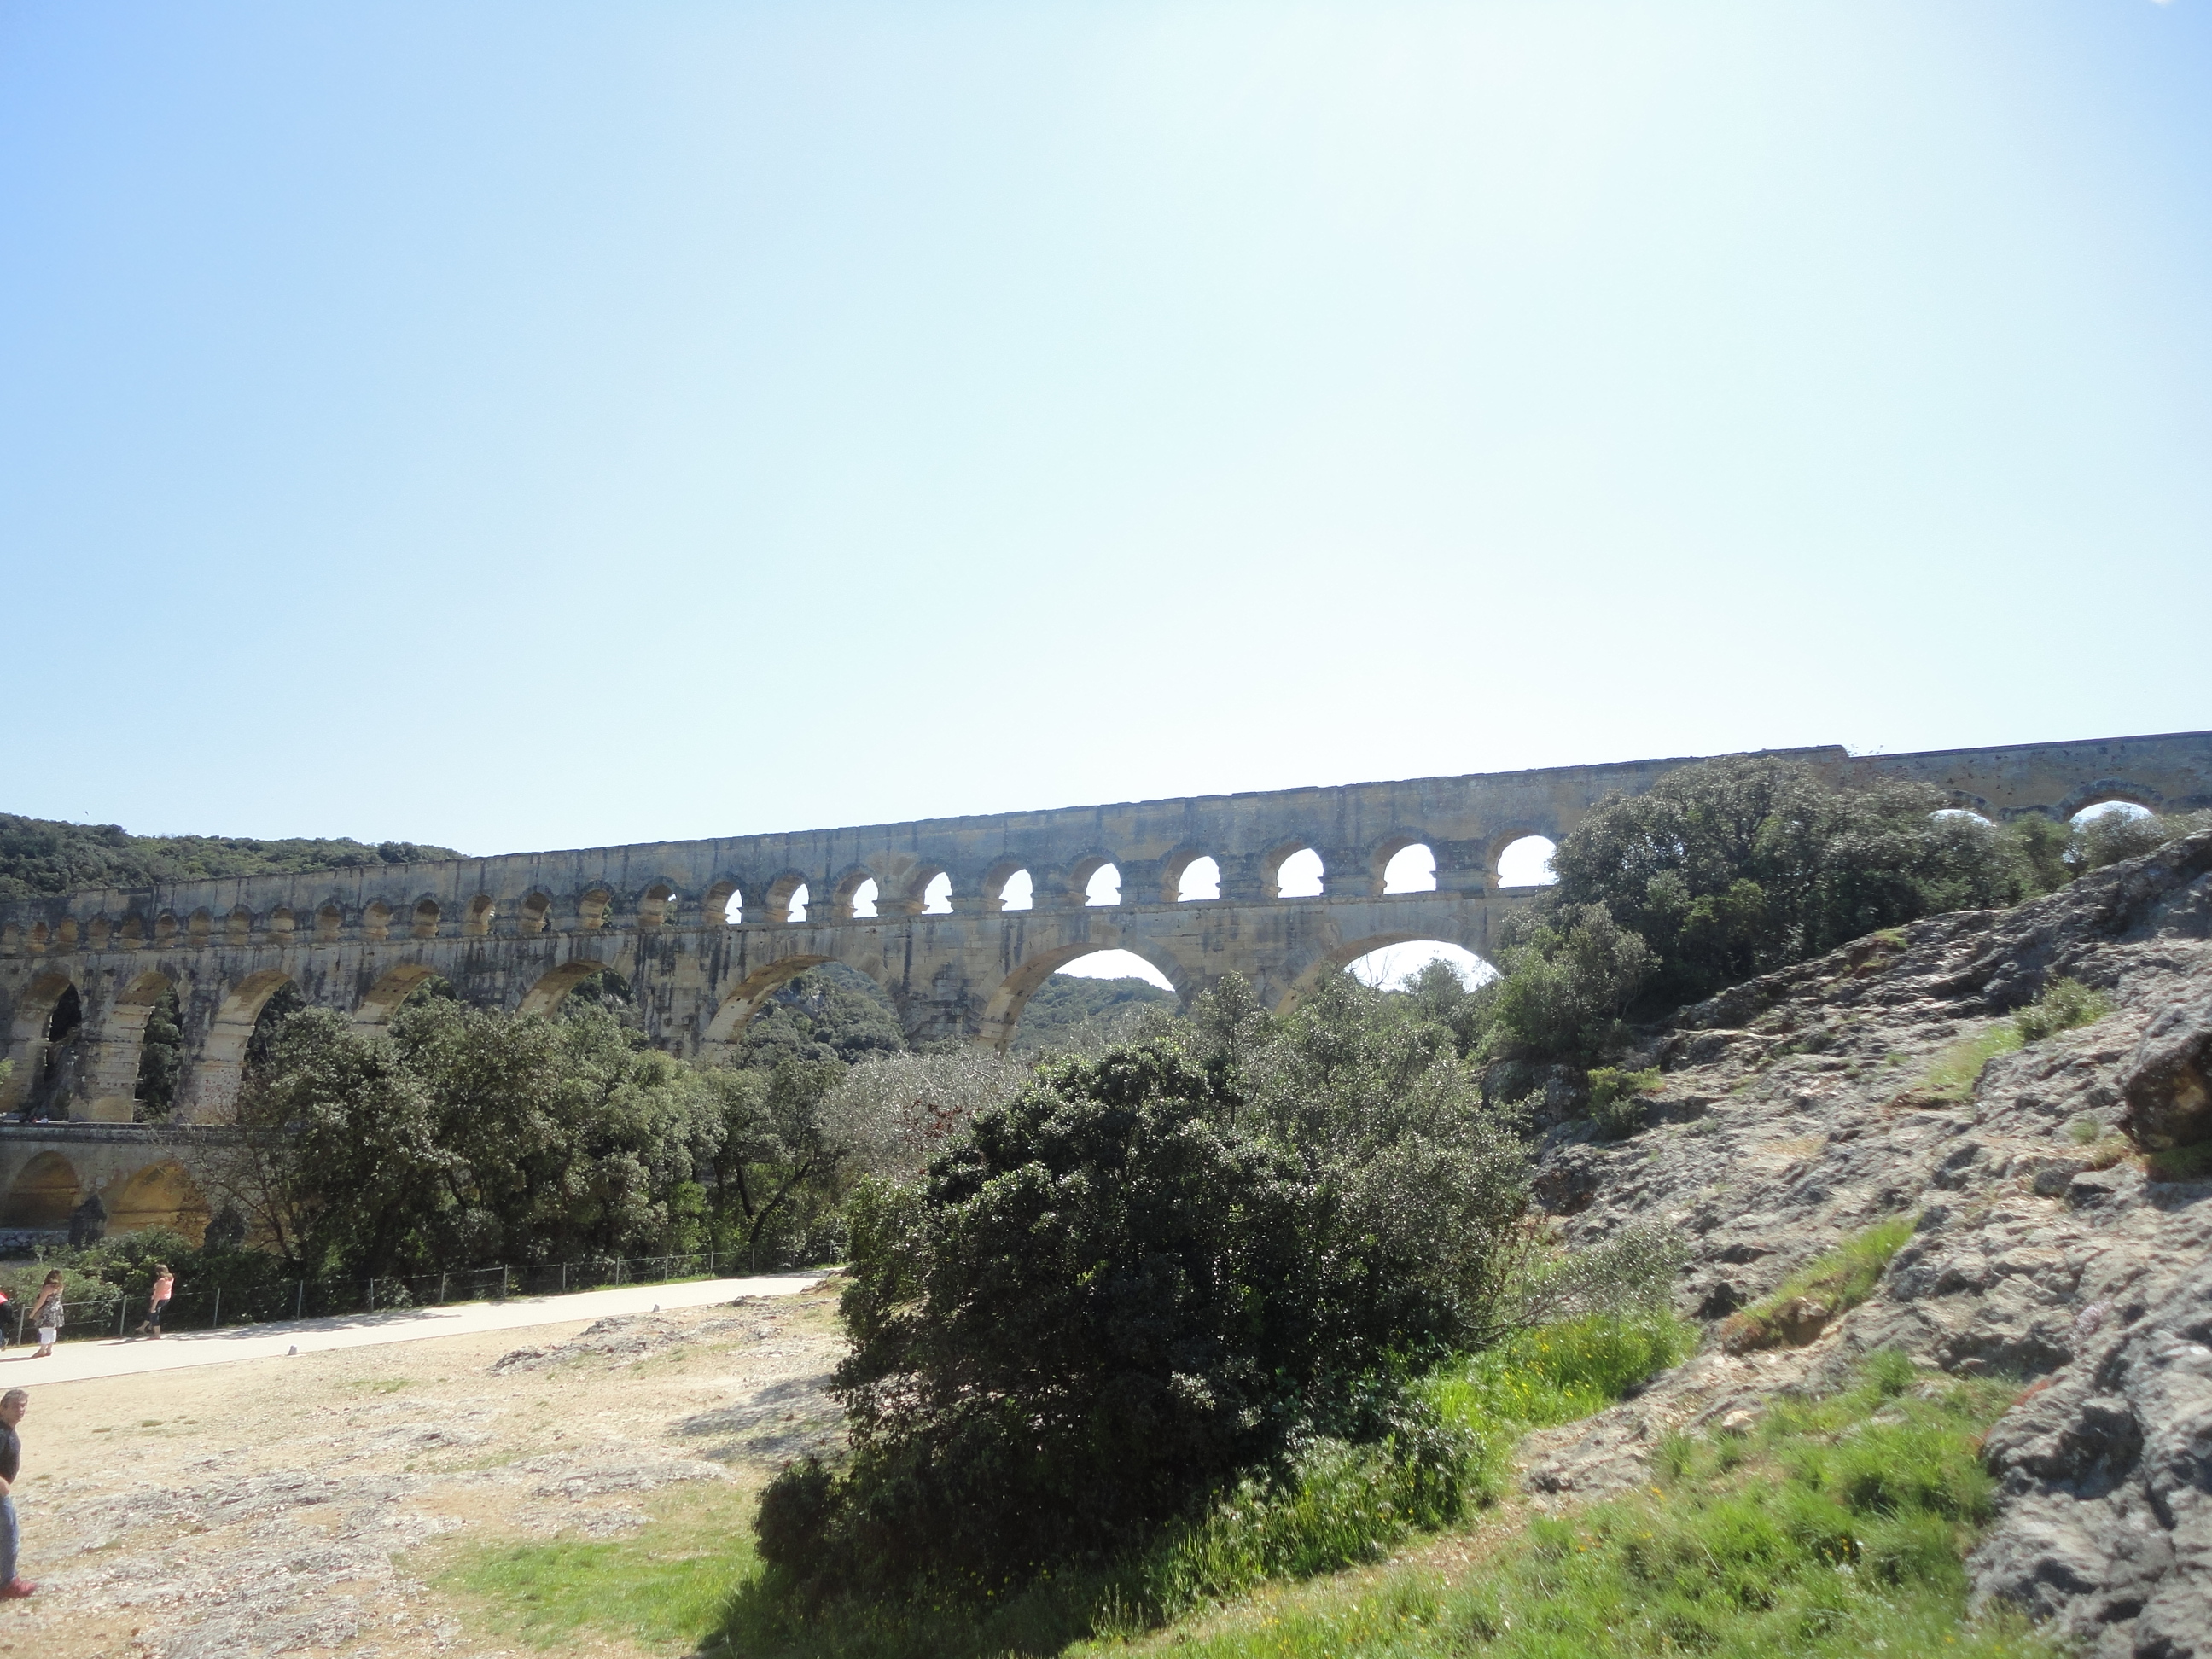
13,1405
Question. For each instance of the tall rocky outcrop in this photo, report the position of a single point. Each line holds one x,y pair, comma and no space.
1800,1108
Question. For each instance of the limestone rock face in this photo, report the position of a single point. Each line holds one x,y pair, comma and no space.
2167,1089
1798,1108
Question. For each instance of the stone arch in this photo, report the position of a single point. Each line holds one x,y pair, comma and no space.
42,1194
543,998
657,908
735,1011
1272,878
1506,843
222,1055
1181,869
2103,792
165,928
1393,867
65,933
1072,888
238,926
120,1046
330,922
911,896
535,913
725,903
199,926
782,892
845,894
162,1194
1003,1011
594,905
279,925
382,1000
994,886
476,920
427,918
1333,958
28,1035
376,921
96,933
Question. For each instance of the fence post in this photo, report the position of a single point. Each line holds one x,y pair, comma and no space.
372,1293
122,1312
441,1289
502,1283
217,1320
564,1278
300,1302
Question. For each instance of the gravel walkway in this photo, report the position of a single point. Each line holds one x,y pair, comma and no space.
80,1361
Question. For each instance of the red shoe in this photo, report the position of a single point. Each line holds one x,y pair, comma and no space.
15,1591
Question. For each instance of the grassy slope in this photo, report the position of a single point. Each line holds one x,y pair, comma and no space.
1835,1527
1832,1527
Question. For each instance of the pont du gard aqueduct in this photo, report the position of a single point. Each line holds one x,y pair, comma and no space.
704,930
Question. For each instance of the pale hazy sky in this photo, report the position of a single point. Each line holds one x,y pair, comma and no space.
535,425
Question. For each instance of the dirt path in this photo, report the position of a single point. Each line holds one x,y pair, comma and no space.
237,1511
76,1360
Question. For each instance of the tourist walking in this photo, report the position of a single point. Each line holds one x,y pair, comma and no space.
47,1313
165,1285
13,1405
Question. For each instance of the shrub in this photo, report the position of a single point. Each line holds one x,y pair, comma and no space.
1116,1307
1567,977
2110,838
1112,1304
2065,1004
1616,1104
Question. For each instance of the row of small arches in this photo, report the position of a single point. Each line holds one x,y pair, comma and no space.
1297,873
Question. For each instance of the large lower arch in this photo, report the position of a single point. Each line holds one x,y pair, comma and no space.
113,1081
160,1195
1003,1013
1337,958
382,1000
735,1011
543,998
222,1056
26,1037
42,1194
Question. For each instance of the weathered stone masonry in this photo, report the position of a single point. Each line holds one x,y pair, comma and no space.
702,929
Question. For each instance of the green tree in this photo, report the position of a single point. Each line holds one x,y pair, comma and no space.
1098,1310
1731,867
771,1145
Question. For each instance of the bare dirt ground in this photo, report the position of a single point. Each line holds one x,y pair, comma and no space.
279,1506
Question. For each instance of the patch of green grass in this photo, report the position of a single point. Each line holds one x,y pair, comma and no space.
1841,1279
1958,1067
665,1587
2182,1162
1834,1527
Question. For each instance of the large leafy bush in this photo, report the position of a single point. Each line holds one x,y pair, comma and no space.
1117,1299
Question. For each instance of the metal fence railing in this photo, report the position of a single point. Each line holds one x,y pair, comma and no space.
109,1313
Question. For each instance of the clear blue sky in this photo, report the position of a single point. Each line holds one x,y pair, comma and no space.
537,425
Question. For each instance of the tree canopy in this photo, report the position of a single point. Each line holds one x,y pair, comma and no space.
42,856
